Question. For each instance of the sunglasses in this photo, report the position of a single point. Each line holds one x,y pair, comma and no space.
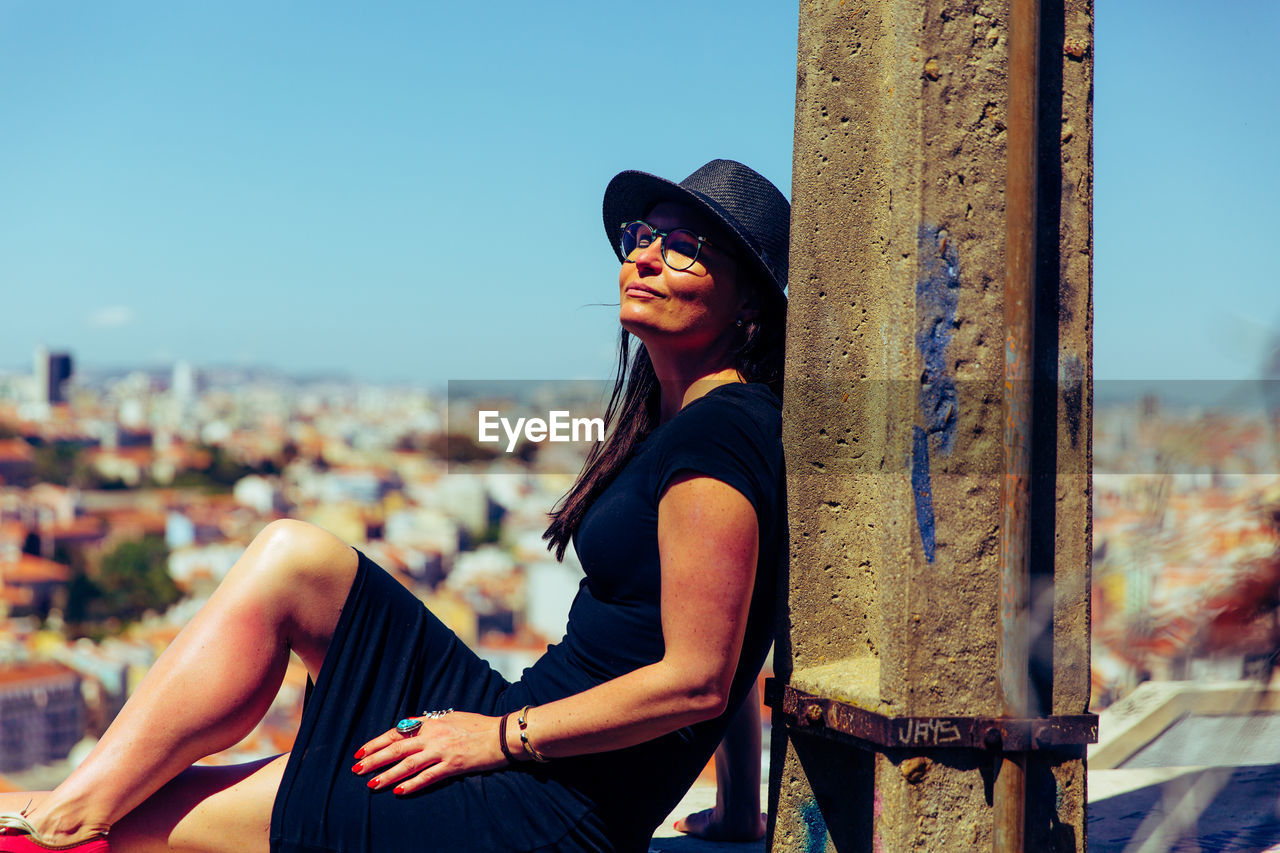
680,246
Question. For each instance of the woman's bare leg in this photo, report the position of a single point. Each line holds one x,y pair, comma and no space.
215,682
225,809
736,815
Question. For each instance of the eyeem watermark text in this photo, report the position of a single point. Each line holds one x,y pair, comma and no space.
558,426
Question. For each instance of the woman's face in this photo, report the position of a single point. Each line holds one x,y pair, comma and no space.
690,310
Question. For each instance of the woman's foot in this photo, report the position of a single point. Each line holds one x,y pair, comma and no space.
26,844
19,835
712,826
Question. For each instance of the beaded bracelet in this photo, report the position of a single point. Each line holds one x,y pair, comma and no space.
502,739
524,736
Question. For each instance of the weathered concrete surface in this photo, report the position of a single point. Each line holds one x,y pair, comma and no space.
893,413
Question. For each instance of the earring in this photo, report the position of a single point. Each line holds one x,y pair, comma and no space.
739,323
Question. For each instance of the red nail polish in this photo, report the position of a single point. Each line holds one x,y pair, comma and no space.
399,790
359,754
359,768
373,783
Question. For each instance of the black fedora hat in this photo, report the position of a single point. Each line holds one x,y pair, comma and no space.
751,209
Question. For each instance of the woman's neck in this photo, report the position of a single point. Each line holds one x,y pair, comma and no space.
678,391
684,375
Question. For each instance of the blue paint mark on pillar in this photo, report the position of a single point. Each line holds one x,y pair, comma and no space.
922,487
937,295
815,827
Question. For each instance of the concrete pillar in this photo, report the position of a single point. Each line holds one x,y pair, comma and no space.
893,418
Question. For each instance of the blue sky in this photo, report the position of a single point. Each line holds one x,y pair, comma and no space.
411,191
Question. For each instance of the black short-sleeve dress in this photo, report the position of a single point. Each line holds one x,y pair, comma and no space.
391,658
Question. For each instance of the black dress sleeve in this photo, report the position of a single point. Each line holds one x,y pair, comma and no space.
731,434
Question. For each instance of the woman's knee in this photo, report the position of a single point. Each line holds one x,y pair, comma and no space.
301,548
299,566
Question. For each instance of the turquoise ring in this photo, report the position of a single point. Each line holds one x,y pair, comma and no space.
408,726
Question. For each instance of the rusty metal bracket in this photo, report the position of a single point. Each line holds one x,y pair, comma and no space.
819,715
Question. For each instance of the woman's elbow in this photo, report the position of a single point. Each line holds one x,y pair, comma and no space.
707,698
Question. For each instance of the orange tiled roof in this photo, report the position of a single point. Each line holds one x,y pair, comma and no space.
16,450
13,531
85,526
32,569
138,455
15,597
32,672
148,520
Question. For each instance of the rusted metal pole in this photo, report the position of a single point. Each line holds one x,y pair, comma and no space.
1019,312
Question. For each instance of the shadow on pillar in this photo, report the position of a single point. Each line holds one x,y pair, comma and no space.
1044,404
1045,830
842,778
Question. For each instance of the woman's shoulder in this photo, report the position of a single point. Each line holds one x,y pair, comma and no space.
751,400
732,433
751,393
729,413
748,408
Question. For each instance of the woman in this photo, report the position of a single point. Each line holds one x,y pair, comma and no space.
679,522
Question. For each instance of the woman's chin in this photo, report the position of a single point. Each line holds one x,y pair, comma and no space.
638,326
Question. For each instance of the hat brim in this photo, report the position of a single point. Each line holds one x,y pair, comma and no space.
632,194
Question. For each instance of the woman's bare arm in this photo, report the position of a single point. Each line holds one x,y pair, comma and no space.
736,815
708,544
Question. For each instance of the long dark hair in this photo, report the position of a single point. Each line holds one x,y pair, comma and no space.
633,412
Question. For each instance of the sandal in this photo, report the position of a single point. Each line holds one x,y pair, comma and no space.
17,835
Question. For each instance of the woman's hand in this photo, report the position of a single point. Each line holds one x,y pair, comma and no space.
451,745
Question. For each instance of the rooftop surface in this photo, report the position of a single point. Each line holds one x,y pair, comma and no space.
1207,810
1187,766
1181,766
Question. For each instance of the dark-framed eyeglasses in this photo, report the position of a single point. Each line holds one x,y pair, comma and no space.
680,246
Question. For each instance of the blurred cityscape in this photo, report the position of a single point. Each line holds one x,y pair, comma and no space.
1186,527
125,497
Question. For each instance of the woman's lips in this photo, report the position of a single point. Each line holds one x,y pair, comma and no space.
641,292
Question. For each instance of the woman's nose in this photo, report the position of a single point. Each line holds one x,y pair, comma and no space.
649,258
